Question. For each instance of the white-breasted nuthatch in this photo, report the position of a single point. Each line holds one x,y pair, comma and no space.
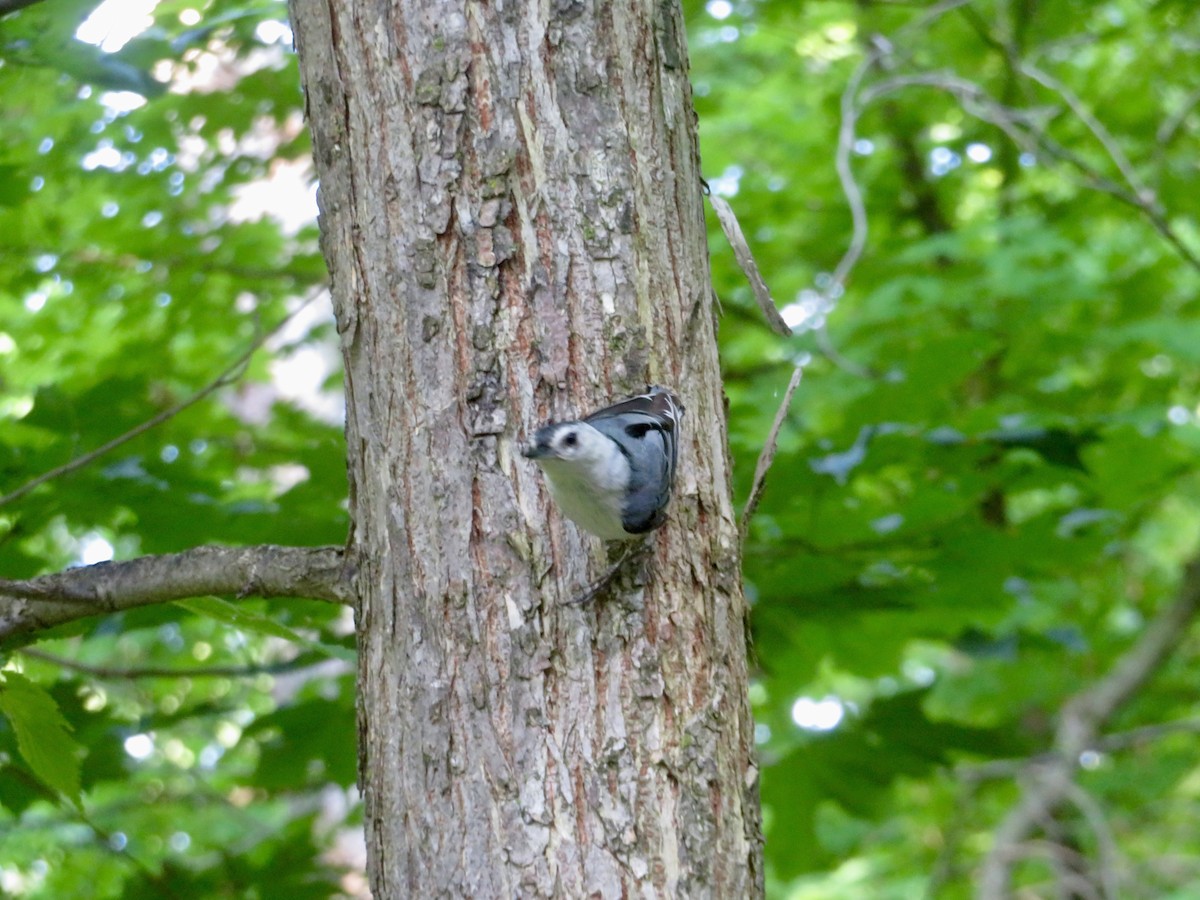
611,472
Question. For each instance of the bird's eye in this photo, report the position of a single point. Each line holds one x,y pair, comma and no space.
570,440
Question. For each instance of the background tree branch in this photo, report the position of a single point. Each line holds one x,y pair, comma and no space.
32,605
1051,782
767,456
11,6
230,375
133,673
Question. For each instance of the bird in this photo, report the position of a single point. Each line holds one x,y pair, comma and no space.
612,472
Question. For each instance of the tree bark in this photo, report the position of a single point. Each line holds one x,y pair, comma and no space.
511,214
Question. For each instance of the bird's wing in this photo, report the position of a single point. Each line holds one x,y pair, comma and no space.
646,428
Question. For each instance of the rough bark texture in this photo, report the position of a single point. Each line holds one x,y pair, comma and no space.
511,214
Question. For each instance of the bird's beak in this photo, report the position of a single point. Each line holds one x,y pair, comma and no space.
535,451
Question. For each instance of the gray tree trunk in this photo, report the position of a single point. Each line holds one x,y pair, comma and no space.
511,213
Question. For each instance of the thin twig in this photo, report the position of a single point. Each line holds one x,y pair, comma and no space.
1138,195
231,374
851,108
834,355
850,187
931,15
1118,740
1021,127
767,456
1093,124
1065,882
1167,131
132,673
1106,843
1171,124
975,100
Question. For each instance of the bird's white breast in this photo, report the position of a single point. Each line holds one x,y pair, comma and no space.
591,492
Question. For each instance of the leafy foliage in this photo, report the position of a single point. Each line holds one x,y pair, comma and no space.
42,734
135,270
984,488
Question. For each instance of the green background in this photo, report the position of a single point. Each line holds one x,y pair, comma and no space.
985,486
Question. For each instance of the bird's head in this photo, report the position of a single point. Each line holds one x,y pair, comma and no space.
562,440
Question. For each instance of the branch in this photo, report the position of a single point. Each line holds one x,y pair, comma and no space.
847,129
745,259
1023,129
1106,843
974,773
767,456
11,6
1051,782
134,673
321,573
1171,124
231,374
1094,125
882,51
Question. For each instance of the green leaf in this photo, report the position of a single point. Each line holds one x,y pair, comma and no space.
1057,446
43,735
857,765
306,742
239,617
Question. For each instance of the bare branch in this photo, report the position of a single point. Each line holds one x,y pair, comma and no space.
767,456
231,374
1171,124
10,6
881,51
1106,843
1108,743
1168,130
931,15
133,673
1136,737
1064,862
831,353
1025,130
1050,782
1093,124
845,172
1017,124
26,607
745,259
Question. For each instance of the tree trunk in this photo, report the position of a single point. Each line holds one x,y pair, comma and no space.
511,214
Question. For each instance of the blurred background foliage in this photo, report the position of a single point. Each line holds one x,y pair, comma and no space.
141,261
983,493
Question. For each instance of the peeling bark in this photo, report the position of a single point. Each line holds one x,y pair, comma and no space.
511,214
